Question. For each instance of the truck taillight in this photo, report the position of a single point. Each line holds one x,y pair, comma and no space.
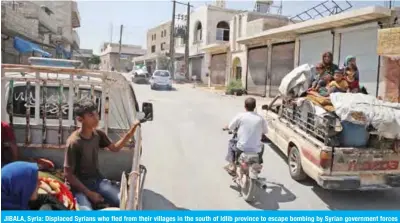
325,159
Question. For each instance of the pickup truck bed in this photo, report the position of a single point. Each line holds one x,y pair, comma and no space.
312,152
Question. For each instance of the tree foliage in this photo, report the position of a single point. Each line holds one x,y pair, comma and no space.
94,60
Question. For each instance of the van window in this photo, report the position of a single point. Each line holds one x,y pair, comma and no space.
52,101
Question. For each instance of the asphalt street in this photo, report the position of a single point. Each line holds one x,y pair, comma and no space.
184,150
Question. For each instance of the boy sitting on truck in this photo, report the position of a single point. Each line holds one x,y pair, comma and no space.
321,88
81,165
319,68
339,84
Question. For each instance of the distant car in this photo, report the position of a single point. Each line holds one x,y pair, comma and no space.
161,79
140,77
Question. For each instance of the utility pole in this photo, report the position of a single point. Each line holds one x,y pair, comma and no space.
187,42
172,41
120,45
111,32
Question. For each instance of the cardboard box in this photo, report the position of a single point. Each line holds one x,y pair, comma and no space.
389,42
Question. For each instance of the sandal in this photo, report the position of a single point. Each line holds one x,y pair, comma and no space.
230,172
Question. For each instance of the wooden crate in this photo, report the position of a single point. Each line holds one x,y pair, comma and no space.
389,42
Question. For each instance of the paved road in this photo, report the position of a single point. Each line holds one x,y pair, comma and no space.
184,150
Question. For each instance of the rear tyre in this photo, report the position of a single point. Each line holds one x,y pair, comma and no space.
295,168
249,189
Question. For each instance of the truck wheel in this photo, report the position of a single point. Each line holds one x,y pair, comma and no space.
295,169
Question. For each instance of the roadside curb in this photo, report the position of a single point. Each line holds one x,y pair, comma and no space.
260,100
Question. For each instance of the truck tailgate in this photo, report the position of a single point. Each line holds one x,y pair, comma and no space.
371,166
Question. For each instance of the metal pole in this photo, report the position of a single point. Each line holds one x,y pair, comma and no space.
119,51
111,32
172,41
187,42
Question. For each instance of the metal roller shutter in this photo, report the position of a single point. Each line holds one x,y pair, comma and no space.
282,62
362,43
312,46
257,71
196,67
218,69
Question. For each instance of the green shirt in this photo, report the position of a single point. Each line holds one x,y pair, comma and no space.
330,70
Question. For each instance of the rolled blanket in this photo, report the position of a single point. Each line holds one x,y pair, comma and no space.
59,190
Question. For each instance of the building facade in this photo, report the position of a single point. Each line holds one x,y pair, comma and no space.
110,57
209,26
235,55
67,17
158,45
203,31
158,39
38,25
348,33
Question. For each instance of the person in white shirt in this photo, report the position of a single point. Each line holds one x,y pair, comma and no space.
250,127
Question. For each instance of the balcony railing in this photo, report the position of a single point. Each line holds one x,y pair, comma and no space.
75,18
32,10
63,35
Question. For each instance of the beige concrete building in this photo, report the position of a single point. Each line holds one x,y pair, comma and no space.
158,46
47,24
109,56
209,26
348,33
235,54
213,33
202,31
158,39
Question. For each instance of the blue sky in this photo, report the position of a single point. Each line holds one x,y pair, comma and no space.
138,16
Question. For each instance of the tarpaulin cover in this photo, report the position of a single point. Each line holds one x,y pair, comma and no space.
24,46
54,62
364,109
297,81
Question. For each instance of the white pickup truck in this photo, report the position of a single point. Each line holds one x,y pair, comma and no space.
312,152
39,101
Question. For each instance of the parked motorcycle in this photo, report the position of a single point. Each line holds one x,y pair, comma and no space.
248,168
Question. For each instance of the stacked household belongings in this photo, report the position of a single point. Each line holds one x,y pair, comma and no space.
313,113
360,111
342,119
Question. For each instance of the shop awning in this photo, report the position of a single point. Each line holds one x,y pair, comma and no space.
216,48
24,46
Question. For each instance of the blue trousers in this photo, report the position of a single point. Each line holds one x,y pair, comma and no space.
101,186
